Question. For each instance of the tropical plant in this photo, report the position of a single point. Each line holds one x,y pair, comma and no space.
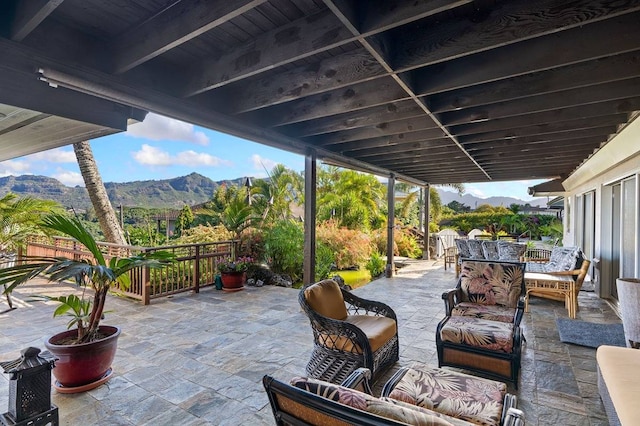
273,197
230,266
184,219
97,273
376,264
284,245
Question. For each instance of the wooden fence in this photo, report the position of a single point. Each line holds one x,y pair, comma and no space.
194,268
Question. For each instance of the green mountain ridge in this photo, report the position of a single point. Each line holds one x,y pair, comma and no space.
167,193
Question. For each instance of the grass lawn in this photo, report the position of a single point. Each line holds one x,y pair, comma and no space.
355,278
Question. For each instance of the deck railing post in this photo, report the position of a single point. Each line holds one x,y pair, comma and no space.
146,286
196,270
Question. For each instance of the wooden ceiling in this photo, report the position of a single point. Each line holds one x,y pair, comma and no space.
433,91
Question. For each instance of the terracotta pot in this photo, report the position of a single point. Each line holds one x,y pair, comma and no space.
233,280
79,365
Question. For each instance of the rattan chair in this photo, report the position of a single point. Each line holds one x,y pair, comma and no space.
348,332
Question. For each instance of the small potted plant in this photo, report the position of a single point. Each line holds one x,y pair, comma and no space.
234,272
85,353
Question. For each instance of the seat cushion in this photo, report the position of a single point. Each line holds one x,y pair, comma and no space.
459,395
488,312
325,297
620,374
485,334
379,330
412,415
536,267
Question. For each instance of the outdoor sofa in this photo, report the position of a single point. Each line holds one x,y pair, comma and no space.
503,251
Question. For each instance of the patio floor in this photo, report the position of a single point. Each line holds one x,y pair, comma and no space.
198,359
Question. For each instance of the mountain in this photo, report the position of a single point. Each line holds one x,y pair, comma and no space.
175,193
473,201
168,193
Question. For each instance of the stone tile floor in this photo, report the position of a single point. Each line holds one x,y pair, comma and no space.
198,359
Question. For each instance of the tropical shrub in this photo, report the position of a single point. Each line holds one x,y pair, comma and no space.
324,261
350,247
284,245
407,245
204,234
376,264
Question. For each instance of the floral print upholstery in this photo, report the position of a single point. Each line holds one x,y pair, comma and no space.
490,250
488,312
486,334
489,283
409,414
462,396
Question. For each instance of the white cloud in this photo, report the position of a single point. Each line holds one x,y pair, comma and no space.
475,191
152,156
57,155
262,164
69,178
14,167
157,127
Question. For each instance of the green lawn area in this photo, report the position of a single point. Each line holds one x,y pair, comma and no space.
355,278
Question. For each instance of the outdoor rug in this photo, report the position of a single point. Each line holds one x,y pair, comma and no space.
590,334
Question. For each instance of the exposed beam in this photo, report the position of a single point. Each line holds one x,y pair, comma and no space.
557,115
541,129
604,70
401,138
382,129
29,14
354,119
403,147
553,101
365,95
511,22
517,146
543,53
173,26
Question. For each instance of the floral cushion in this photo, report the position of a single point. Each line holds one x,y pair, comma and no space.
463,248
485,334
475,249
453,420
511,251
488,312
490,283
412,415
462,396
490,250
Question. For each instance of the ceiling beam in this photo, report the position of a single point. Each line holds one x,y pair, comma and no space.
583,74
543,53
173,26
28,15
401,138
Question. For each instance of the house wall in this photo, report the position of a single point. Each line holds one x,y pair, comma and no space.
617,160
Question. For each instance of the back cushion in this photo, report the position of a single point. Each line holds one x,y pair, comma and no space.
325,297
475,249
511,252
463,248
562,259
489,283
490,249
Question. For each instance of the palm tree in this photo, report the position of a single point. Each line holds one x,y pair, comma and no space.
97,273
109,224
273,196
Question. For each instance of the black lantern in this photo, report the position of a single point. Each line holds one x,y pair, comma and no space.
30,389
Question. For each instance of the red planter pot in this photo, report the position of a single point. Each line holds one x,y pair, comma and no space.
86,363
233,281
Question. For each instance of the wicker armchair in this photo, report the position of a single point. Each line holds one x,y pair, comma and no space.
348,332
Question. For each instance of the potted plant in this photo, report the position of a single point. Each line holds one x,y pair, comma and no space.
234,272
86,353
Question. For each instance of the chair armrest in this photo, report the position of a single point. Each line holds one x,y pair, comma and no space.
359,306
360,380
519,311
451,297
514,417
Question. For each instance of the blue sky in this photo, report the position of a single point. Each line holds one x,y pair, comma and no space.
161,148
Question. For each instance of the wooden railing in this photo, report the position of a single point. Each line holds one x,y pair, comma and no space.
194,268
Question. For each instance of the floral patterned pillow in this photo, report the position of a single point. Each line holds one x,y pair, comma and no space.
511,251
562,259
490,249
491,283
368,403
